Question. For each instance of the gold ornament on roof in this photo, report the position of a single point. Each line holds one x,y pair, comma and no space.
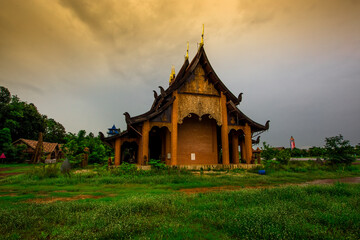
202,37
172,74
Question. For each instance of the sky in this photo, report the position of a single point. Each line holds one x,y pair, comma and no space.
85,63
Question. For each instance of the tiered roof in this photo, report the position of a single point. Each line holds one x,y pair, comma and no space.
165,99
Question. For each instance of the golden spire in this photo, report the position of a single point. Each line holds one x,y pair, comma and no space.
187,51
172,74
202,37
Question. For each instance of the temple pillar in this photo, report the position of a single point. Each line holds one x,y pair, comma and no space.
242,148
174,129
145,142
167,146
235,149
224,131
248,143
117,151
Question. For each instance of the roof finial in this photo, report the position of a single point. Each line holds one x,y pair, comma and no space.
202,37
172,74
187,52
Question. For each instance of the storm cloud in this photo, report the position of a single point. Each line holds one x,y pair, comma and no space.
84,63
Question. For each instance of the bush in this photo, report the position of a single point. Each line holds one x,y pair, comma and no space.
283,157
44,171
268,152
125,169
157,164
338,151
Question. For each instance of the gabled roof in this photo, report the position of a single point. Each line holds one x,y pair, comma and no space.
201,58
47,147
164,100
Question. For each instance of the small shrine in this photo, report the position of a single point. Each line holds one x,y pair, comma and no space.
195,121
113,131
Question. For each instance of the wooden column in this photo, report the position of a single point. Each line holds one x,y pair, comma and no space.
174,129
224,131
248,143
242,148
167,146
235,149
117,151
145,142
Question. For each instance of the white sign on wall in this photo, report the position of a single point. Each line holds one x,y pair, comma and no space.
193,156
168,155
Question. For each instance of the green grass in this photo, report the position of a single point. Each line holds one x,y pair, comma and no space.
320,212
15,167
147,205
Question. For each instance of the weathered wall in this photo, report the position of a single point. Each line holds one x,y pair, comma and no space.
197,137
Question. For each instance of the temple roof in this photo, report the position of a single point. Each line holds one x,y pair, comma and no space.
162,101
165,99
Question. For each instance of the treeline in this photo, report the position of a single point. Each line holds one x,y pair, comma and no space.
336,150
24,120
19,119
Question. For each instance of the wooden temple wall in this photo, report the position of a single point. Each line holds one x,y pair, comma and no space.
197,142
192,138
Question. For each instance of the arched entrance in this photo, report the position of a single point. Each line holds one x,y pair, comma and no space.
129,152
159,143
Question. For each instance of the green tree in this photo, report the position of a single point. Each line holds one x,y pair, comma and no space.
5,95
76,144
268,152
23,119
54,131
316,152
296,152
12,153
283,156
338,150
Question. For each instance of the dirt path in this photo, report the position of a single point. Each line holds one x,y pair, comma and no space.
331,181
4,174
238,188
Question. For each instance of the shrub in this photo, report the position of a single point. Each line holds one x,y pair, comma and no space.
338,150
125,169
44,171
157,164
283,157
268,152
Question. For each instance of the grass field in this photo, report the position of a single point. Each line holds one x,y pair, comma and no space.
149,205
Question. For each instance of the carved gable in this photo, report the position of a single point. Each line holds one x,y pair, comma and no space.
198,84
199,96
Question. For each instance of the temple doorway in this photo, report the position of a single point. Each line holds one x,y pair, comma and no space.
159,143
129,152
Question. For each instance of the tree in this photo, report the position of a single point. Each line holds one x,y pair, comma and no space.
5,95
75,148
316,152
12,153
54,131
23,119
338,150
268,152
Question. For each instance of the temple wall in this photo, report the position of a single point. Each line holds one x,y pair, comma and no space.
199,138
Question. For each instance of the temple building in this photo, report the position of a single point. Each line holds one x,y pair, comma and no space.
196,120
